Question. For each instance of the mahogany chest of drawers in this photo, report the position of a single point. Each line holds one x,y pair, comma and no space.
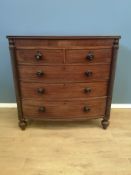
63,78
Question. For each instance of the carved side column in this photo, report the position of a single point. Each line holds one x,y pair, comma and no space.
22,121
105,121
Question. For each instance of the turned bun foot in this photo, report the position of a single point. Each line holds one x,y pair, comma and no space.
105,123
22,125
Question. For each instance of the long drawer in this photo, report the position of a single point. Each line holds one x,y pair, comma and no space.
65,42
63,91
64,73
65,110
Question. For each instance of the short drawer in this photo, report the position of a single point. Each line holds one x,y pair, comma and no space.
65,110
64,73
40,56
63,91
86,56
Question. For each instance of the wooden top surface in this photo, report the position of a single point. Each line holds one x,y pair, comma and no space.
62,37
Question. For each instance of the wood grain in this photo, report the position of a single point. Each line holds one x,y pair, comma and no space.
70,109
49,56
65,43
80,56
63,91
64,73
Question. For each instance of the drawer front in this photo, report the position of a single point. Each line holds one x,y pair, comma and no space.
64,73
63,91
73,109
40,56
89,56
63,42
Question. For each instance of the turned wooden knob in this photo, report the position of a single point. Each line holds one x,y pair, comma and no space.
42,109
87,90
39,73
38,56
86,109
40,90
88,73
90,56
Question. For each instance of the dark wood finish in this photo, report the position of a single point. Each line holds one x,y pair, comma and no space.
105,121
63,78
77,73
63,37
63,41
89,56
68,109
63,91
40,56
16,83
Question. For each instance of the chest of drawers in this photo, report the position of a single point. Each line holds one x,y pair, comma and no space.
63,78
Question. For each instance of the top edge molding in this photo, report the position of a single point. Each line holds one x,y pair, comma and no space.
62,37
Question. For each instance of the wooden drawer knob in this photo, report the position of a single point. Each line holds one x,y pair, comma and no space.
38,56
39,73
40,90
87,90
88,73
42,109
86,109
90,56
